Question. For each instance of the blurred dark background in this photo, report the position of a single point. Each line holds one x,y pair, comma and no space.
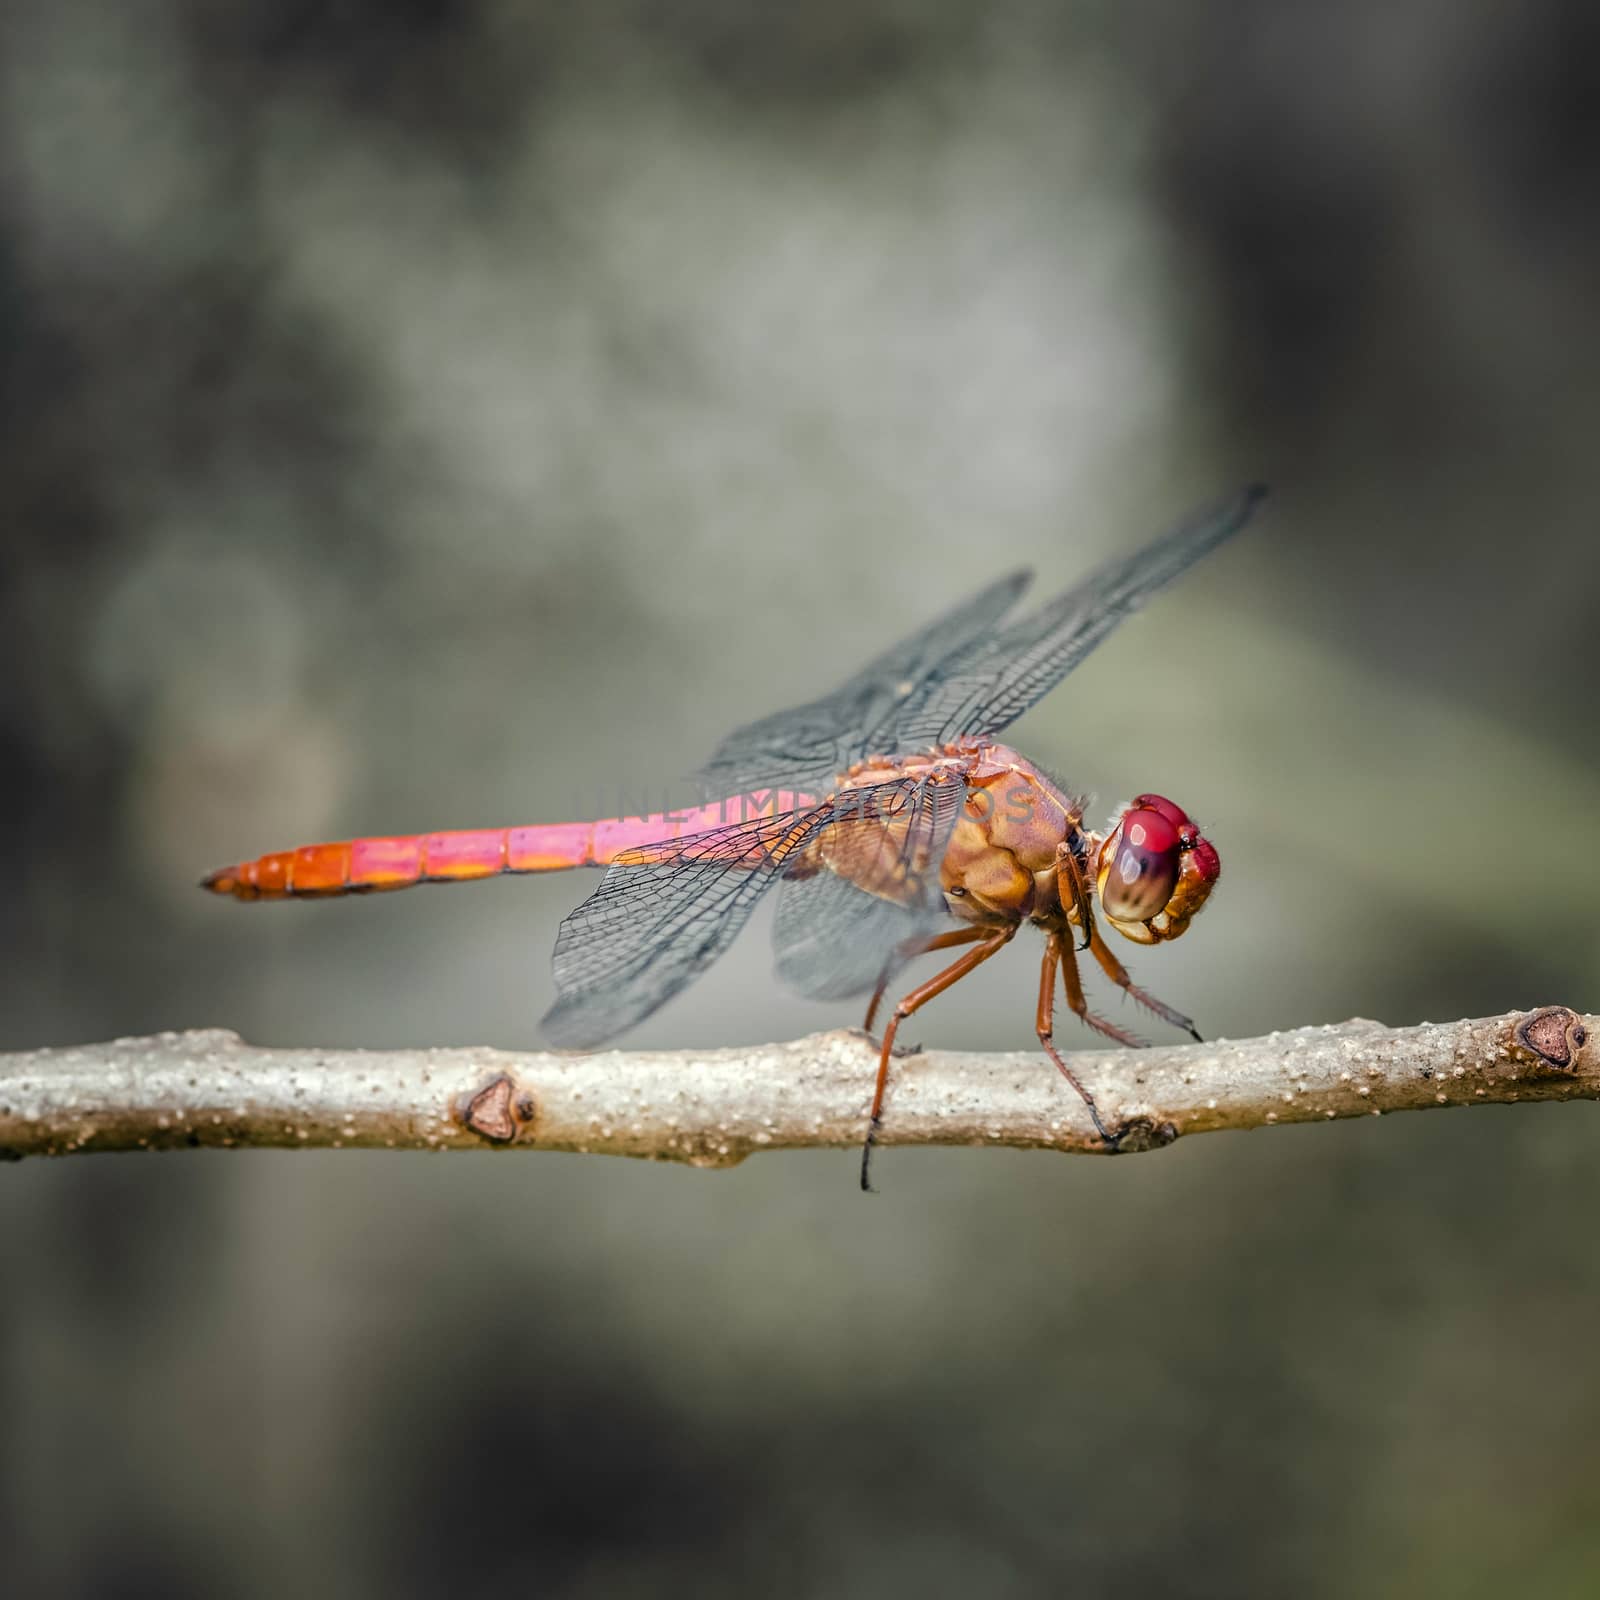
423,415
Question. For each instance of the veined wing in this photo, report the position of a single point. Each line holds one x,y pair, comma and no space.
872,884
663,913
1003,676
809,745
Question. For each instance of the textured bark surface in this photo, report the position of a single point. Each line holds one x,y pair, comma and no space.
714,1107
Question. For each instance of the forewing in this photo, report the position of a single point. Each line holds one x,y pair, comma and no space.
809,745
1003,676
661,916
833,936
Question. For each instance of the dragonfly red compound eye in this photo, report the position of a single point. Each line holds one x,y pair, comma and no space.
1207,864
1171,810
1142,869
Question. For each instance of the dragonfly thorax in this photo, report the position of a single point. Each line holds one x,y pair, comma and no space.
1001,862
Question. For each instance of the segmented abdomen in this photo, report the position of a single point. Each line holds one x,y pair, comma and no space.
362,866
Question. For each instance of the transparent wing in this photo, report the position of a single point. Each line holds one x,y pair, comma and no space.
833,936
999,679
660,917
664,913
809,745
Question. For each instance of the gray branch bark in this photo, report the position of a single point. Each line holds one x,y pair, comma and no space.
712,1108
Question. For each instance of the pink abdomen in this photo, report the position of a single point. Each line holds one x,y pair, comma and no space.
361,866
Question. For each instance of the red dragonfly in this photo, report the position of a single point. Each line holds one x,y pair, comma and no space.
894,821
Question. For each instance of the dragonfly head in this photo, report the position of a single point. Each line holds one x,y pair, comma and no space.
1155,870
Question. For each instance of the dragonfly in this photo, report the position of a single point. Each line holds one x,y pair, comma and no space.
888,815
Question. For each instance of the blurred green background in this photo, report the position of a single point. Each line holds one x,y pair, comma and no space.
423,415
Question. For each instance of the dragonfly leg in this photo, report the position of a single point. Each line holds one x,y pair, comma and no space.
1080,1006
1044,1023
1118,974
909,950
1071,890
993,940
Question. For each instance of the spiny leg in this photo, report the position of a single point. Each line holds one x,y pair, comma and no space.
909,950
1118,974
1071,890
1080,1006
993,940
1044,1025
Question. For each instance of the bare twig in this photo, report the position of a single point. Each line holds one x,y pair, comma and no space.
712,1108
